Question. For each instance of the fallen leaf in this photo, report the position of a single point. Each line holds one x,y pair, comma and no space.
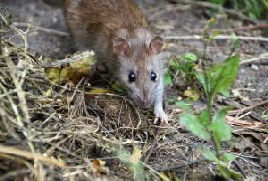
56,74
98,167
72,73
192,93
165,46
236,93
247,124
48,92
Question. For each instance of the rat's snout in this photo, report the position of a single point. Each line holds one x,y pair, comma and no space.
143,102
143,99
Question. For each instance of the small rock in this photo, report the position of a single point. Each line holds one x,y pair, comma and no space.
255,67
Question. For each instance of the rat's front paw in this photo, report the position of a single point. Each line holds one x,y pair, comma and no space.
160,114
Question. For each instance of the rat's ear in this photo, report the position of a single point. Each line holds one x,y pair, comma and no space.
156,45
121,47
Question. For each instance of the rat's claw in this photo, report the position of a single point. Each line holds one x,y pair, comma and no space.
160,114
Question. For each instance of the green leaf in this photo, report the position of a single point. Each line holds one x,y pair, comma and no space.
222,76
228,173
221,114
228,157
202,80
209,155
221,2
204,117
265,116
252,15
133,162
221,131
123,155
234,175
171,100
118,87
167,79
219,78
214,34
182,68
138,170
183,105
190,56
174,63
191,122
235,42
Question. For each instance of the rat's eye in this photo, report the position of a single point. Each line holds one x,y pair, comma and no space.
153,76
131,77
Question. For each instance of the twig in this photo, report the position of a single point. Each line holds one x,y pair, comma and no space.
240,169
261,57
38,28
219,37
248,108
19,31
146,159
254,27
252,113
248,159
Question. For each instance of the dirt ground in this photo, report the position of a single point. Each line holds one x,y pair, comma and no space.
175,149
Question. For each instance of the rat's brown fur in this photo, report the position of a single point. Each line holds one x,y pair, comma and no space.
95,23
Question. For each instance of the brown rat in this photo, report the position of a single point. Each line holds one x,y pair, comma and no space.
117,31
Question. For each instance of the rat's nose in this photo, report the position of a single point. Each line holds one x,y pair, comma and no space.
143,100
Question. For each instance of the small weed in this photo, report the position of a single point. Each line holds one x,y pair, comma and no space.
253,8
210,125
133,162
182,65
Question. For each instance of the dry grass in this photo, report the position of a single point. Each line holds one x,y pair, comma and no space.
54,132
39,117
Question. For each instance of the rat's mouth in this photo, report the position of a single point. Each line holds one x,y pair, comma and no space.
141,100
144,106
143,103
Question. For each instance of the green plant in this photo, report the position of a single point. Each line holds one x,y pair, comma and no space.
210,125
253,8
184,64
133,162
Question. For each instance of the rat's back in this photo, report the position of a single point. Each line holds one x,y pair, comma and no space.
94,23
109,14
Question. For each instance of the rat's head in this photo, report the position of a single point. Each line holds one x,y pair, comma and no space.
140,68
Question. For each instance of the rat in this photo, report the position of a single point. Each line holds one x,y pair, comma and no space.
119,34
